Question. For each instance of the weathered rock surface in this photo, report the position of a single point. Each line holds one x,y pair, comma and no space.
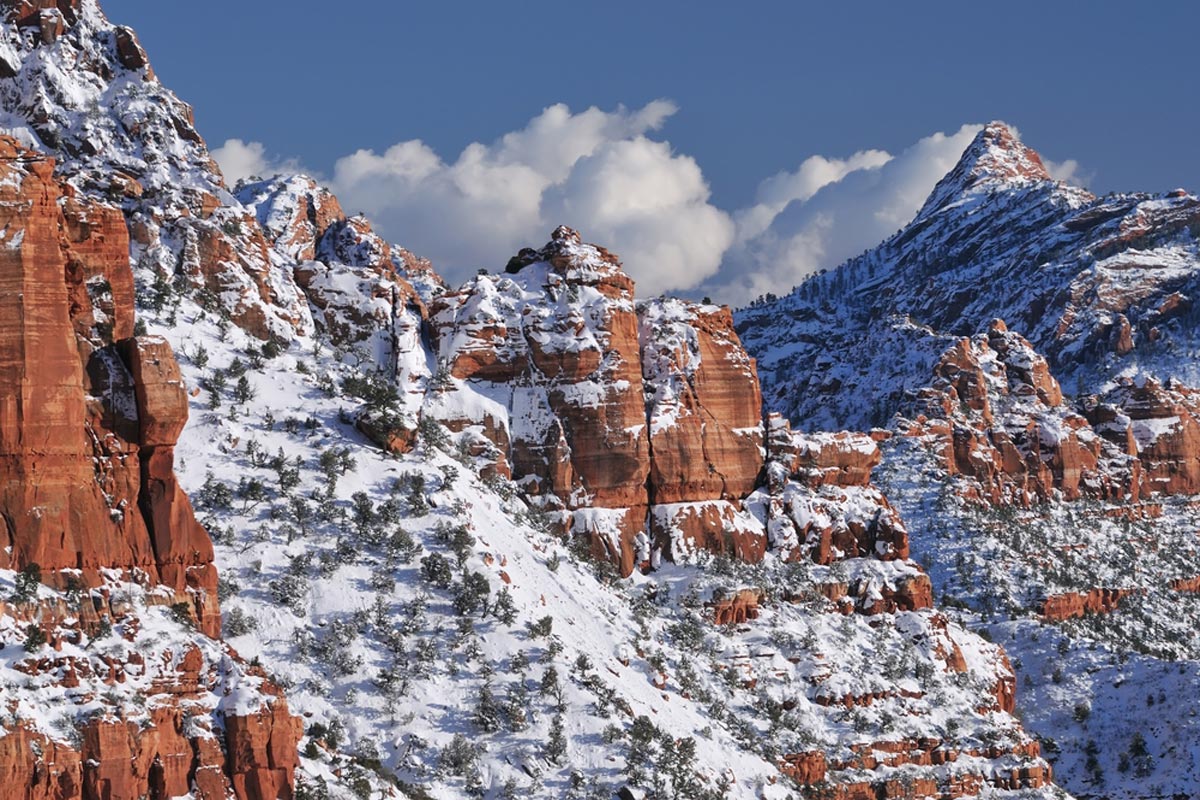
998,418
556,343
86,428
1159,425
89,418
1077,604
167,748
355,284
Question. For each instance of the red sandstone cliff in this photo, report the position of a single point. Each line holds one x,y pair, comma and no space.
89,418
996,416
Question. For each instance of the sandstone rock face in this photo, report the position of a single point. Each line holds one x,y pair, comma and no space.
262,752
820,504
556,344
88,419
1077,604
171,746
1157,424
638,424
997,417
704,412
356,287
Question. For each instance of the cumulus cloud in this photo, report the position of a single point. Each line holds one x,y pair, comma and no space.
239,160
608,174
595,170
828,211
1068,171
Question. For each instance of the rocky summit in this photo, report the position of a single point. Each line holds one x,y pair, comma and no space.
287,515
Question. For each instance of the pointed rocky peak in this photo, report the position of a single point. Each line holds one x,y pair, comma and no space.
576,261
995,159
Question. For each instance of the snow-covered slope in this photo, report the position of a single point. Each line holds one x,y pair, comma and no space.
1059,519
417,497
1102,287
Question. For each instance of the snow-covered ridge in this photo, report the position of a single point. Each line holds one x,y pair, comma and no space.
1102,287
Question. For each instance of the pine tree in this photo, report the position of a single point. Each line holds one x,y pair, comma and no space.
556,742
487,710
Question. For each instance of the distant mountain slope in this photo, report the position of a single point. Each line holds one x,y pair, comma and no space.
1102,286
1059,518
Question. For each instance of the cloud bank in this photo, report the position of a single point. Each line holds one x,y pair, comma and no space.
831,210
597,170
605,173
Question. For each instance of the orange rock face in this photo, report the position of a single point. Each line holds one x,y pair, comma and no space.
614,412
810,479
1157,424
118,759
704,410
1077,604
737,608
560,339
88,416
996,415
262,755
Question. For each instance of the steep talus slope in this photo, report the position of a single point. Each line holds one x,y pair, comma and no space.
1059,517
416,497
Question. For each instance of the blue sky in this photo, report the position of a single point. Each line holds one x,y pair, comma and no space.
757,87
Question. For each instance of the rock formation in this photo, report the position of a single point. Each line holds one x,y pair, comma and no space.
89,418
998,418
88,415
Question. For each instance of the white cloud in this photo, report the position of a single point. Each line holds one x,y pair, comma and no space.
602,173
828,211
239,159
1068,171
776,192
594,170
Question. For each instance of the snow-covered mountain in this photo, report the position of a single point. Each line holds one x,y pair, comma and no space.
1060,517
1100,286
529,536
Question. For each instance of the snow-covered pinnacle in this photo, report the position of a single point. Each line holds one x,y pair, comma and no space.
995,158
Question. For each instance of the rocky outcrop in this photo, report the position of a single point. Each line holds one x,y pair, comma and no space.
704,412
556,342
998,420
262,753
819,501
354,283
86,428
736,608
177,744
89,418
1070,605
1025,770
997,416
638,424
1159,425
